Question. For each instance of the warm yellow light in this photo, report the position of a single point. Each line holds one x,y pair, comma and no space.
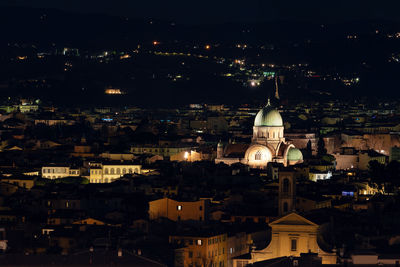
125,56
112,91
156,43
208,47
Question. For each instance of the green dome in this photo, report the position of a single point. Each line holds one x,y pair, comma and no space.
294,154
268,116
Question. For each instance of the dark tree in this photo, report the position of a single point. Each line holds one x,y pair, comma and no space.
377,171
309,149
321,150
393,172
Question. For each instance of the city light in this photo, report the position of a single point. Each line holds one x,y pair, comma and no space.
215,140
113,91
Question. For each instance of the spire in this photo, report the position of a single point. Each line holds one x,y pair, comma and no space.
276,87
268,102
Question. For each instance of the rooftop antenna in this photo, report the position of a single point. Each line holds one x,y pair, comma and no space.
276,87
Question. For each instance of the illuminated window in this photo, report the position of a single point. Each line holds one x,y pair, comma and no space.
118,171
130,170
106,171
293,245
179,207
123,171
199,242
257,156
112,171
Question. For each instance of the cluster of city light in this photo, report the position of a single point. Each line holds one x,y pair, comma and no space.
243,46
254,83
352,81
125,56
113,91
395,35
239,61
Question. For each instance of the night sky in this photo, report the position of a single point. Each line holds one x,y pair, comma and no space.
217,11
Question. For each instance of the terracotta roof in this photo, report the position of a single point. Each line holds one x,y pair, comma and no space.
235,149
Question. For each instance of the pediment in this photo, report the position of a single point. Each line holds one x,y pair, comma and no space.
292,219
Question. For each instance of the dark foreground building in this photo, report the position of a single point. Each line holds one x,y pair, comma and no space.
86,258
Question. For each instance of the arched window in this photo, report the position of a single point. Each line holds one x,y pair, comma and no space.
123,171
285,207
286,186
257,156
130,170
106,171
118,171
112,171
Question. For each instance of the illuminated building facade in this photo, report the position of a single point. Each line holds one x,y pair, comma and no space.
291,235
205,250
268,143
161,150
107,173
54,172
178,210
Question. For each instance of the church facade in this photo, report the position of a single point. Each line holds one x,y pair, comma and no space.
291,235
268,144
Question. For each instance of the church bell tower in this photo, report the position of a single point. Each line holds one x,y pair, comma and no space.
287,191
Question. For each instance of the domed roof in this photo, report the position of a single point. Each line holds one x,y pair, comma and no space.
294,154
268,116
